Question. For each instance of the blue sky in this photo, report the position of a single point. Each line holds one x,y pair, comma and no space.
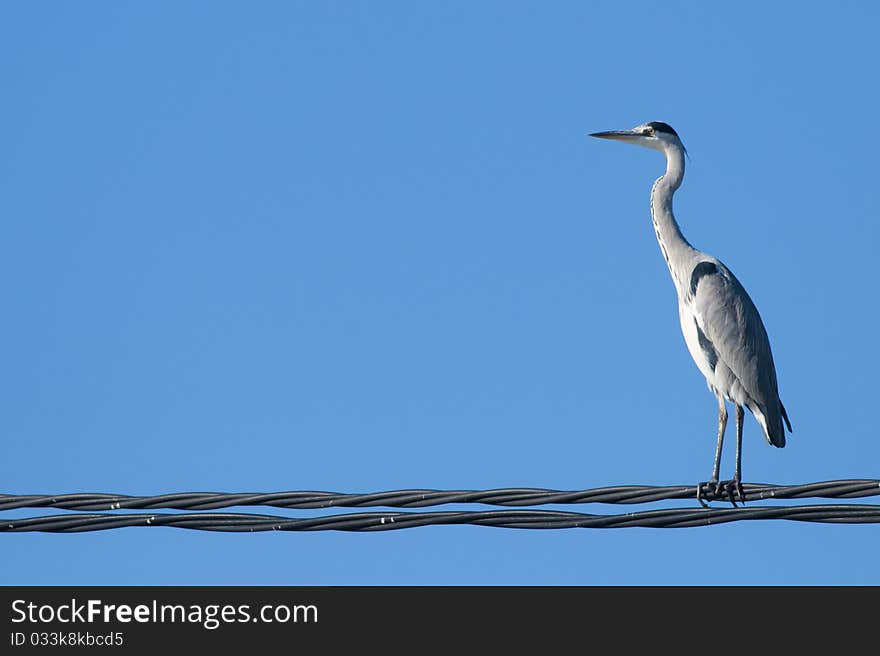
359,246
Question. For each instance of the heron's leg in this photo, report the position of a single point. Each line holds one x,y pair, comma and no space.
713,486
734,487
737,477
722,425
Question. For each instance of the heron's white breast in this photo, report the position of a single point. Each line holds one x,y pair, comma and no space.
689,321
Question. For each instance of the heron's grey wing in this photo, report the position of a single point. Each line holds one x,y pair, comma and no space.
729,321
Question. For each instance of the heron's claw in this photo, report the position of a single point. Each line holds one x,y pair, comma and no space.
720,490
734,488
709,490
729,490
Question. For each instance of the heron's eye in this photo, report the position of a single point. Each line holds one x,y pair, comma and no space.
649,130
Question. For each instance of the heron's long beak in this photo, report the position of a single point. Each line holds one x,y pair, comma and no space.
629,136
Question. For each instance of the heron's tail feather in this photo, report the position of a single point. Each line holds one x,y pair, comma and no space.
773,426
777,438
785,416
771,422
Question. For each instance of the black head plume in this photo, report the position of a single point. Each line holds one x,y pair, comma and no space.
660,126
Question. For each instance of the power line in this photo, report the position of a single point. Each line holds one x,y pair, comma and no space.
79,521
420,498
522,519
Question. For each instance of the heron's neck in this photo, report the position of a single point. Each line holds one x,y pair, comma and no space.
673,245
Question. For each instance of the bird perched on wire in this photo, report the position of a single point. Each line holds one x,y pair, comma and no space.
722,328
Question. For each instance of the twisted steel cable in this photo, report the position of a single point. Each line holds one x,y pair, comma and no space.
523,519
626,494
79,521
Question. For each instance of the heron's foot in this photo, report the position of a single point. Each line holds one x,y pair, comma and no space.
719,490
708,491
733,489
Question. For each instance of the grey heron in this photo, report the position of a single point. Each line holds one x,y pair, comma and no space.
722,328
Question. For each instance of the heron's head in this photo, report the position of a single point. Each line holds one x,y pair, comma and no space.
655,134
